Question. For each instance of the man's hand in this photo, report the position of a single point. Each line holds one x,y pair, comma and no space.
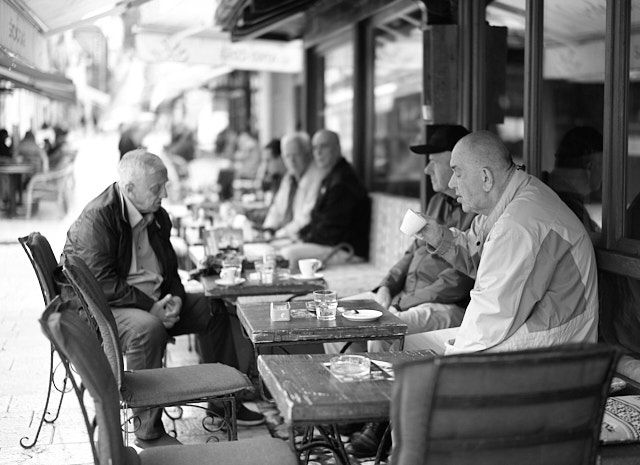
167,311
432,232
383,296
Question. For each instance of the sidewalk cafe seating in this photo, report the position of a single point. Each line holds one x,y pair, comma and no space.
76,340
159,387
55,185
44,263
527,407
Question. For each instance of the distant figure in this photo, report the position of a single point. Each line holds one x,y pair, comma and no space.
577,176
272,168
247,156
298,192
182,144
129,140
341,214
32,153
5,150
59,148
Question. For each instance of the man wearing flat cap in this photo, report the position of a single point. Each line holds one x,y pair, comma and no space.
422,289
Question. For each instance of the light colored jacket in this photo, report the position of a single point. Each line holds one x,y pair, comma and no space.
535,269
303,202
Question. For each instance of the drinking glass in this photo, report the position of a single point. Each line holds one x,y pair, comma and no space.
326,304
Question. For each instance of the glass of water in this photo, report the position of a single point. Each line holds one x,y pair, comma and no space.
326,304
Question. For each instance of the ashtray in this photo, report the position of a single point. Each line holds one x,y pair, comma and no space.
352,366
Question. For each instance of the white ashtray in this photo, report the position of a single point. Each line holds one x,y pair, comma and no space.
352,366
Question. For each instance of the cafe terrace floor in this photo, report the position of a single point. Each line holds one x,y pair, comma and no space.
24,351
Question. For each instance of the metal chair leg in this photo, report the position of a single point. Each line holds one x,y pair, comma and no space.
45,412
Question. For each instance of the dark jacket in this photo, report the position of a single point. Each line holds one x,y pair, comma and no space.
419,276
101,236
341,212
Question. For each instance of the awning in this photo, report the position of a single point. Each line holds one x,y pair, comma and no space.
51,85
266,19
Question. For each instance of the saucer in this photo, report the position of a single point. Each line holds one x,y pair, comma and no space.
362,315
222,282
304,278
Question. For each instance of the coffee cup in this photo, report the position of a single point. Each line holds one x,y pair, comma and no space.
309,266
229,274
412,223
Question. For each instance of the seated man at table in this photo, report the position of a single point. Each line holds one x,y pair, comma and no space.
341,212
298,191
123,236
532,259
421,289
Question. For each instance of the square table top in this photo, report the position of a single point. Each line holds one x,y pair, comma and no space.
306,392
305,327
249,288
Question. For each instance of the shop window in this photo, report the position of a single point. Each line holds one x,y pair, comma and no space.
338,94
398,123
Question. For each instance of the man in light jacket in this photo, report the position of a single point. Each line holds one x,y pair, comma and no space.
532,259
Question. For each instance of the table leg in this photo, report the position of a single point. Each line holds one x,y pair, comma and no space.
329,439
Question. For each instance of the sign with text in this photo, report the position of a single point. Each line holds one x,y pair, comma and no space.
19,36
255,55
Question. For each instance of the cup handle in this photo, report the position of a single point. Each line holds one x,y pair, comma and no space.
317,265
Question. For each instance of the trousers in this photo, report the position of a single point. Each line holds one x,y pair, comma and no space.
144,339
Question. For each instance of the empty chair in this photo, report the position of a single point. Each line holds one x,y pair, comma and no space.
541,406
76,340
157,387
44,263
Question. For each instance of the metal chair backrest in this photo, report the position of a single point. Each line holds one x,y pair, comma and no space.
74,338
526,407
44,263
96,305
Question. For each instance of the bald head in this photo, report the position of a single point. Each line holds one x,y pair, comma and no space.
481,165
326,148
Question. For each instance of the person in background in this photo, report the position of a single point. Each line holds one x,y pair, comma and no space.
5,149
123,235
129,139
341,214
532,259
32,153
272,168
577,176
298,192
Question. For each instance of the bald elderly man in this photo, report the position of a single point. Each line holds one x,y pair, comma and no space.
532,259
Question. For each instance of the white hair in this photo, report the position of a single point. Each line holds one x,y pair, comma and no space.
137,164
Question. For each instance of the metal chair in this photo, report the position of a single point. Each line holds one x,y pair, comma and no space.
159,387
44,263
78,342
526,407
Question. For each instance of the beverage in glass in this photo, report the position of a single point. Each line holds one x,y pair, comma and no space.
326,305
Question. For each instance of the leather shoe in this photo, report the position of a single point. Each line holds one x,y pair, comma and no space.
164,440
366,442
244,415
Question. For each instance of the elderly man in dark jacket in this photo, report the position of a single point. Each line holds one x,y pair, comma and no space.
123,235
341,212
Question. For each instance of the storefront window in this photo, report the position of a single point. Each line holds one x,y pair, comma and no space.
632,193
338,95
397,106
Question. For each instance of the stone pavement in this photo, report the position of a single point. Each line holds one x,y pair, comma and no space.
24,351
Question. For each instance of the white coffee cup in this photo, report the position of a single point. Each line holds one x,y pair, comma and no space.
309,266
412,222
229,274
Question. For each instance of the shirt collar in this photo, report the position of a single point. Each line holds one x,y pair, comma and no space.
132,212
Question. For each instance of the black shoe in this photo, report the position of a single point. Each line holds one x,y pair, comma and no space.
366,442
244,416
348,429
164,440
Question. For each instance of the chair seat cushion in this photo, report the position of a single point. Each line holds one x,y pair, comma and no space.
621,420
261,450
175,385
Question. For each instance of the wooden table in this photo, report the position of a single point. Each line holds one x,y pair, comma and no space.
308,395
305,328
249,288
14,172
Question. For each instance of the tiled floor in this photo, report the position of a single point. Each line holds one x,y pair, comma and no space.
24,351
